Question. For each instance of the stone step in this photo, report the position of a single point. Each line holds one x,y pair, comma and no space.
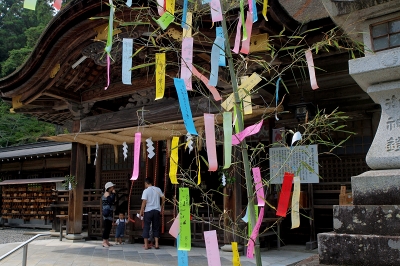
351,249
377,187
367,219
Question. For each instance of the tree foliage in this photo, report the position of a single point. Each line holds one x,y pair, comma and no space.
19,31
16,129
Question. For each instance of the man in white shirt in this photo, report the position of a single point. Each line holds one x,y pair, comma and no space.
150,211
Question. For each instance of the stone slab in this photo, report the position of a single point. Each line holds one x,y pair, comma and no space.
377,187
367,219
351,249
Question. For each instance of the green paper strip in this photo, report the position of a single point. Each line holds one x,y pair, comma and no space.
110,29
184,219
30,4
165,20
249,225
227,122
243,20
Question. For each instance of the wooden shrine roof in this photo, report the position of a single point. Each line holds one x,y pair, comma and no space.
48,87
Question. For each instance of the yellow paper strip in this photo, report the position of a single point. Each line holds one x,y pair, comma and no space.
243,91
160,75
235,254
170,6
187,32
295,203
264,10
30,4
247,108
173,160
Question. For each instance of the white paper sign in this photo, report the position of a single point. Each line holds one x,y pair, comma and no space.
288,159
127,49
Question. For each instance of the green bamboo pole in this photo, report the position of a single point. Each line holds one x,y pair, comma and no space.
245,156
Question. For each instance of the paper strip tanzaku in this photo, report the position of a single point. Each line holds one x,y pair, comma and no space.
248,131
215,53
185,106
212,250
184,219
205,80
264,11
209,124
251,243
173,160
227,125
237,38
311,69
187,62
235,254
127,49
259,186
136,156
295,214
187,32
284,197
183,258
160,75
246,43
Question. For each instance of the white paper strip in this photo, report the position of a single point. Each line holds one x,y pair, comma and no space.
125,150
150,148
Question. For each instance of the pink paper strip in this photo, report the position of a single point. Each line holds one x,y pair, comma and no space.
252,240
237,38
210,142
108,72
251,6
216,11
249,25
160,7
248,131
187,62
259,186
311,69
212,89
212,249
174,230
57,4
136,156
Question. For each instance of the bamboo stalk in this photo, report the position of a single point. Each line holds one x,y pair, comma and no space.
243,146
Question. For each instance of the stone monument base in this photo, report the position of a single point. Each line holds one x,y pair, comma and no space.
367,233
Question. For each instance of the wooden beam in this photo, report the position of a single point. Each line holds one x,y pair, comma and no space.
119,89
62,95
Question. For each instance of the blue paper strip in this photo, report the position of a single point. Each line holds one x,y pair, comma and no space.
220,33
185,106
205,2
183,259
185,6
255,15
277,91
215,53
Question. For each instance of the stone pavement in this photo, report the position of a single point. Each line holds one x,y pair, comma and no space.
53,252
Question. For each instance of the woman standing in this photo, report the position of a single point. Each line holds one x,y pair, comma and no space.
107,201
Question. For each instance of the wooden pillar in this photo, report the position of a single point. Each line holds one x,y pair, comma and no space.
75,204
98,169
233,202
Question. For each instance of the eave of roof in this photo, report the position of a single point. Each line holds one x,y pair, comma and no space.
37,149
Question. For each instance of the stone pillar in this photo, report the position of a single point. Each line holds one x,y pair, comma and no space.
368,233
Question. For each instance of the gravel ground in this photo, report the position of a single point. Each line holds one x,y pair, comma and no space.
12,235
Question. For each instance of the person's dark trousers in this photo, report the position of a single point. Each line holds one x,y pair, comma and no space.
151,217
107,228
